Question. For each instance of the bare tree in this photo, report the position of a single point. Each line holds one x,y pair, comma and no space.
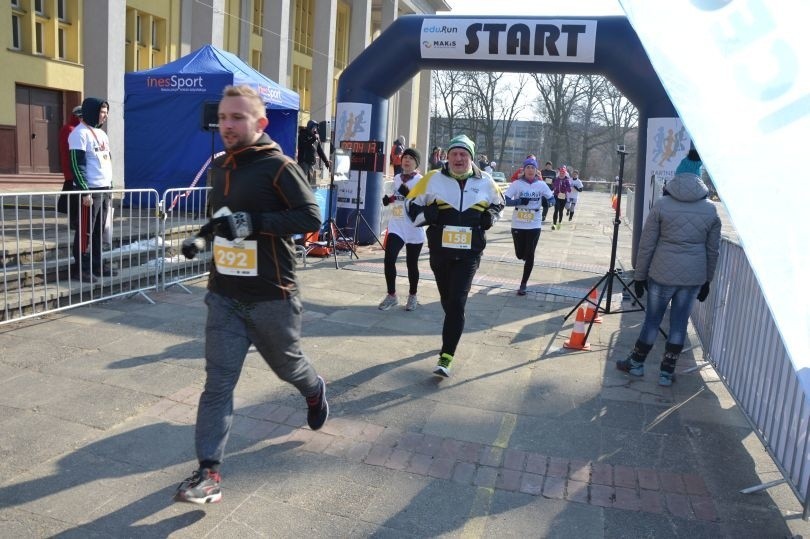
447,98
620,117
558,96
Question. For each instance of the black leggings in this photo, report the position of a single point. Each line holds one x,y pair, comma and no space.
525,244
393,245
454,277
559,206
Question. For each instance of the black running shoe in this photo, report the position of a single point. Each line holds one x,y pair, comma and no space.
201,488
317,408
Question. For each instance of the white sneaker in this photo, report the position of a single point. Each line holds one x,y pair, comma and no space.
388,302
411,303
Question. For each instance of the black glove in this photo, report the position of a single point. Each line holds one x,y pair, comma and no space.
237,225
524,201
403,190
578,189
486,220
639,287
192,246
386,200
704,292
431,213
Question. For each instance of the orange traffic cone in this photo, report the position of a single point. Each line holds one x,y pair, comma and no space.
591,312
577,339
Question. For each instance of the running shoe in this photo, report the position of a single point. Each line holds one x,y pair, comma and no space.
388,302
317,407
443,366
411,303
201,488
665,379
522,290
631,366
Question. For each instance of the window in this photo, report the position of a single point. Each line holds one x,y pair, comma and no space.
38,38
15,3
60,36
38,7
154,34
138,29
61,13
258,10
15,32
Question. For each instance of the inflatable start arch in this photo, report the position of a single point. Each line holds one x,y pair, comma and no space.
606,46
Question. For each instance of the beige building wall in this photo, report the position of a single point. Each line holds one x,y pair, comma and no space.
303,44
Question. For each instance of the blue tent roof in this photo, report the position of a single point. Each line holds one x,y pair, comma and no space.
207,66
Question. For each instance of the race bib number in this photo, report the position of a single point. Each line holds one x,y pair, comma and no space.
561,195
238,259
398,211
457,237
524,216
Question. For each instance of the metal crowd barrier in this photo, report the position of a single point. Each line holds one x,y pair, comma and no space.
743,343
183,212
39,272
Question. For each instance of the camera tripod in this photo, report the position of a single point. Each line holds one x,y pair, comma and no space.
333,230
612,272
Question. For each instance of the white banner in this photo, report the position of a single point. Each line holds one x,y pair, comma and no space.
738,73
543,40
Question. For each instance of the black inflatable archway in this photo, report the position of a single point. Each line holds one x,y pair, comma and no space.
606,46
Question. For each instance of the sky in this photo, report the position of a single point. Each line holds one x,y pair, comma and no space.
535,7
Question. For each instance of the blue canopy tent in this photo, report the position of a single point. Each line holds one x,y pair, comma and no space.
166,141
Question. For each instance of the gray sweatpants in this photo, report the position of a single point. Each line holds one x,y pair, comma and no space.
274,327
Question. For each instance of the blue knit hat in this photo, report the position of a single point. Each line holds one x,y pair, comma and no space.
690,167
530,162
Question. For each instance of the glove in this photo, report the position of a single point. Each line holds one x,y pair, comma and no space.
704,292
237,225
192,246
431,213
544,203
486,220
403,190
639,287
524,201
386,200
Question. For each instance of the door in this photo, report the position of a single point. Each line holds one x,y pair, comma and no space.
38,121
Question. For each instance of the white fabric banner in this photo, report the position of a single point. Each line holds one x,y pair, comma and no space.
738,73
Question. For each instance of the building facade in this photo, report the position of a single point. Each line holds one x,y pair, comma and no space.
56,52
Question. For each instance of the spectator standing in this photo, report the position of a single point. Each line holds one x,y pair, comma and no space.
91,164
309,149
525,193
260,198
68,204
402,232
435,160
676,261
573,196
458,203
396,154
561,188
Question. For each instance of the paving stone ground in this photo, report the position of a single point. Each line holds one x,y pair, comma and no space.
525,439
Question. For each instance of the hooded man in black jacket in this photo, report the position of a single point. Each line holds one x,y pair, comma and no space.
309,147
260,199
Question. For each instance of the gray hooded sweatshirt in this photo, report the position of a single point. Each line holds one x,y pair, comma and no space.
681,238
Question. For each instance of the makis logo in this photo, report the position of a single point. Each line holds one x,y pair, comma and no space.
544,40
176,83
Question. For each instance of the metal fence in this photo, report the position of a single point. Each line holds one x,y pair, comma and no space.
742,341
183,212
40,275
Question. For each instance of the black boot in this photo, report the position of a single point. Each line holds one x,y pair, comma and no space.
671,354
634,363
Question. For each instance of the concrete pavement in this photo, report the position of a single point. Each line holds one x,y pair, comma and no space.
526,439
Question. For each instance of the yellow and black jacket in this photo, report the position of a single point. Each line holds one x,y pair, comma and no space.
461,203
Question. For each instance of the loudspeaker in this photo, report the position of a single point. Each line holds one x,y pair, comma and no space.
325,130
210,116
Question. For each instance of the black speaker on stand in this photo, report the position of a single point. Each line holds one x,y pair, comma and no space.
210,121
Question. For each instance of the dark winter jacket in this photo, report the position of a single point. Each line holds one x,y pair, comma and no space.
261,180
309,145
680,241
